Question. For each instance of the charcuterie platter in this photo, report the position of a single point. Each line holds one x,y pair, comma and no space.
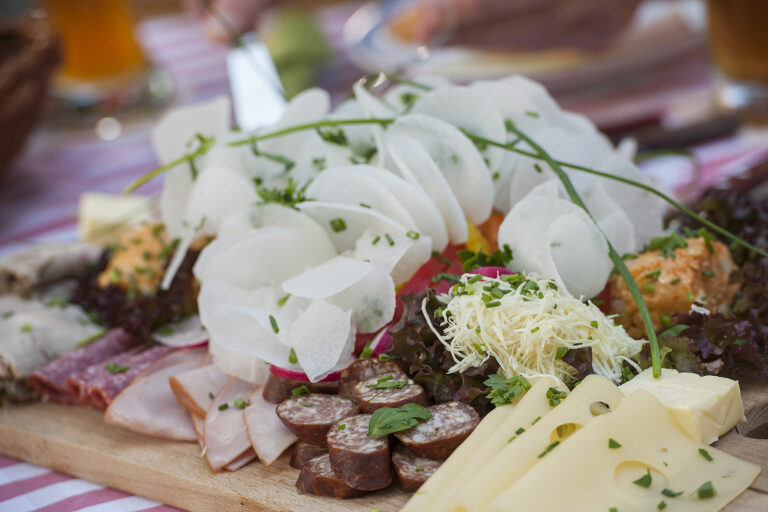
457,291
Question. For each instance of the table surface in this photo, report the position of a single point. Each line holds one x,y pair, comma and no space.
39,199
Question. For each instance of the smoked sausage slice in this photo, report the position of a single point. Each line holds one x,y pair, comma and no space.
310,416
389,390
317,477
411,470
304,452
364,369
361,461
278,388
450,424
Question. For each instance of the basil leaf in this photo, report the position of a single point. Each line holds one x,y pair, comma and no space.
388,420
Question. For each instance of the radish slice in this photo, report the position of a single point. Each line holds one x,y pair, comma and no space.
188,332
360,137
418,168
557,239
517,105
266,431
382,343
365,289
225,434
345,223
492,272
174,199
536,93
401,259
215,193
301,376
376,108
323,338
258,257
345,185
456,157
612,220
403,96
214,293
469,112
422,209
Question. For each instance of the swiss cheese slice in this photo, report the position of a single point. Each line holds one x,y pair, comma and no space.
488,439
705,407
588,474
541,436
103,218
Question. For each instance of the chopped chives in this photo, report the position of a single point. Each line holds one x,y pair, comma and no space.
338,225
223,406
292,357
376,240
389,239
704,453
283,299
273,323
413,235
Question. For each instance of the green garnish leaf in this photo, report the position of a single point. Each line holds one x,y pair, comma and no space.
341,426
388,420
613,444
300,391
549,448
338,225
662,505
503,391
653,275
413,235
275,328
283,299
554,396
666,244
645,480
223,406
117,368
292,357
669,493
386,382
706,490
240,403
366,353
561,351
674,331
704,453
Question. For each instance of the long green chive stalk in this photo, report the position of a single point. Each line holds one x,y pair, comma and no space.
621,267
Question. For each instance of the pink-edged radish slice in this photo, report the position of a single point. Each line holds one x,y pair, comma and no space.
266,431
226,437
401,256
323,339
300,376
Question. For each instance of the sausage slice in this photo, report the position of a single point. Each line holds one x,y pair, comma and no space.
278,389
450,424
317,477
364,369
411,470
304,452
361,461
310,416
388,391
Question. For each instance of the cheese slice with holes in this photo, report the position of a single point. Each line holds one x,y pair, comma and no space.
530,447
103,218
586,474
704,407
488,439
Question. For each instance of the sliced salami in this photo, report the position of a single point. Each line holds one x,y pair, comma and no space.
317,477
361,461
364,369
278,389
304,452
436,438
50,381
411,470
310,416
388,391
79,383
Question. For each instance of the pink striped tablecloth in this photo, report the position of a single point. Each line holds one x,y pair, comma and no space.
39,201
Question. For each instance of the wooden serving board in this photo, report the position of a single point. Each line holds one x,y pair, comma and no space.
76,441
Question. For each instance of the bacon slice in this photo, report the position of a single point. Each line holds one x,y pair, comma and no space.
50,381
225,436
194,389
266,431
148,406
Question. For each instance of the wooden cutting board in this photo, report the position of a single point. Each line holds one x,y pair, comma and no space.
75,440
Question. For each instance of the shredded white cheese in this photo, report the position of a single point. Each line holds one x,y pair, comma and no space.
524,328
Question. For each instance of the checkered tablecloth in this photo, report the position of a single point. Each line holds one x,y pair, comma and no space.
39,201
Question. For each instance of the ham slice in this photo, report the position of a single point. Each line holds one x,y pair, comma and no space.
226,437
194,389
266,431
148,406
50,381
199,424
241,461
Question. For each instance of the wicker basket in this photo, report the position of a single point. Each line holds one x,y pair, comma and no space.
29,53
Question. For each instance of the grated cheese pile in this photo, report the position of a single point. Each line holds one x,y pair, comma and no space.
522,322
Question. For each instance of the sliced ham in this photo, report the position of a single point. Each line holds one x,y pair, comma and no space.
241,461
50,381
148,406
268,435
194,389
225,436
199,424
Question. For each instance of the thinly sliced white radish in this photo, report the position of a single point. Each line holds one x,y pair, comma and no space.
323,338
214,293
345,223
537,94
402,258
557,239
470,112
347,186
418,168
225,434
216,192
403,96
611,218
266,431
360,137
186,333
373,107
364,288
516,105
258,257
425,214
456,157
174,199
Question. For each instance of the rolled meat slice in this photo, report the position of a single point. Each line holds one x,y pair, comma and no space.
278,388
361,461
304,452
450,424
196,388
318,478
148,406
411,470
268,435
78,384
114,379
310,416
50,381
364,369
388,391
225,433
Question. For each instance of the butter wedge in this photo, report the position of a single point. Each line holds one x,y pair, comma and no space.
705,407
